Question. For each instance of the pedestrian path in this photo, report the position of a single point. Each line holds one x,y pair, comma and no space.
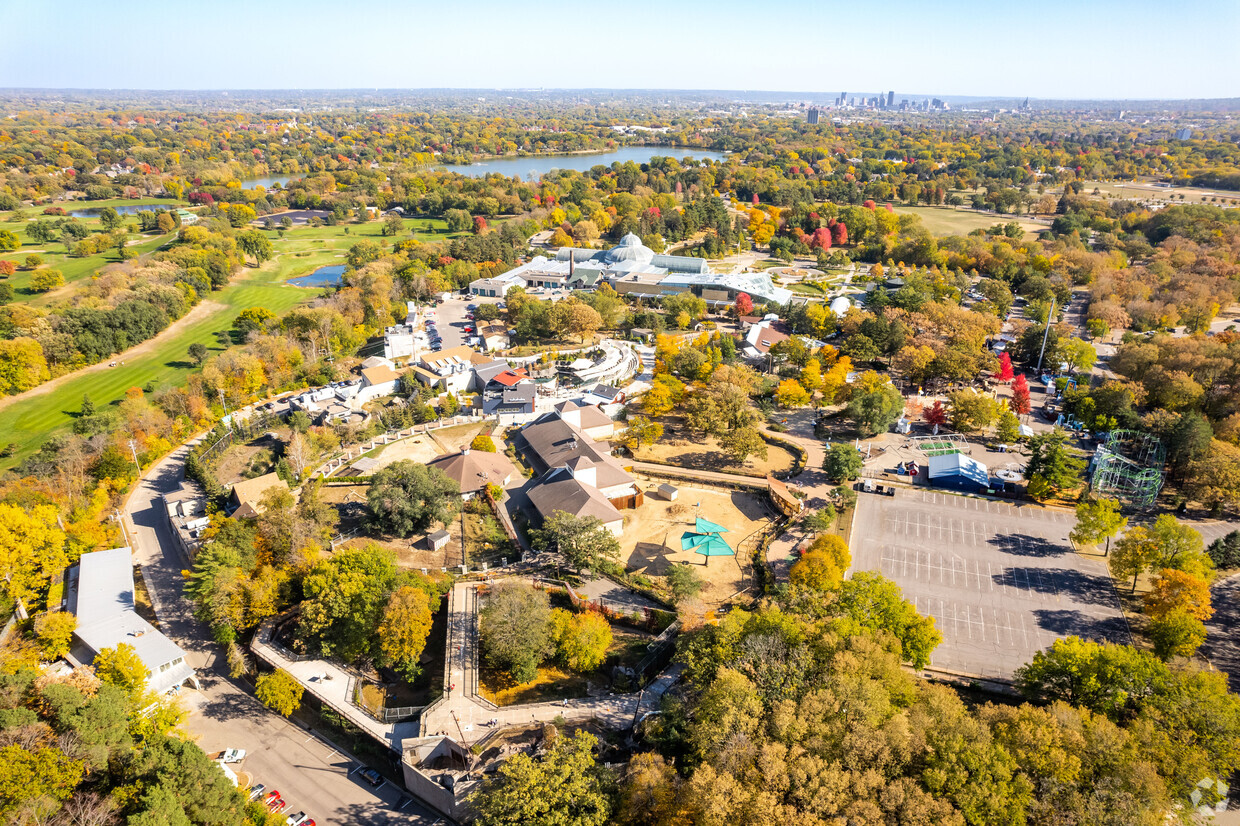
467,716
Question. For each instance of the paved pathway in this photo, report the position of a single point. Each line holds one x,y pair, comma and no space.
465,715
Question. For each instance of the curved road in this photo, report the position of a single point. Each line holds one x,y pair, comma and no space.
312,775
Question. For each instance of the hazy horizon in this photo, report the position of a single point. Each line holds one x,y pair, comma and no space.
1107,50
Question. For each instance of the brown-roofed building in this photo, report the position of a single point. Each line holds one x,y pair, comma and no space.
590,420
246,496
452,369
473,470
579,476
378,381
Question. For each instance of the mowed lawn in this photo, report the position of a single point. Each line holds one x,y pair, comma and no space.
951,221
30,421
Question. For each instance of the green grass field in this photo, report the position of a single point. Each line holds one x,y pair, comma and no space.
1144,190
28,422
951,221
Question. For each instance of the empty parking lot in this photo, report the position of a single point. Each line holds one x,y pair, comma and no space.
1001,581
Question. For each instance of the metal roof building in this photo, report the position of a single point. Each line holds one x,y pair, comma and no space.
102,599
955,470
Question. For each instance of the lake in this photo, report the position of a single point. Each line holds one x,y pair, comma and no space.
322,277
268,181
537,165
127,209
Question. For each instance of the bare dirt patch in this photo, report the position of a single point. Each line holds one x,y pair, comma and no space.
651,539
682,448
420,449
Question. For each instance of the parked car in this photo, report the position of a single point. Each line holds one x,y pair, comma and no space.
278,805
272,795
232,755
257,791
295,820
372,777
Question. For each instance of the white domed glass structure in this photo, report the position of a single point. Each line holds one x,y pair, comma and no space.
840,305
630,248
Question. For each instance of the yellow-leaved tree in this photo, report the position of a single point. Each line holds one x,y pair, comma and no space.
32,549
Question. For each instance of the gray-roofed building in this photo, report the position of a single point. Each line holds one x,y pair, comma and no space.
560,490
579,476
589,419
187,514
101,594
437,540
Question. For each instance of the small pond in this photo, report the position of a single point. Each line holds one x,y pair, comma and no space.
126,209
327,276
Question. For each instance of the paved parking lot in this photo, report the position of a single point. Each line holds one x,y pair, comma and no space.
1001,581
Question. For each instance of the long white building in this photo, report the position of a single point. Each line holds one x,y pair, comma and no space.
632,268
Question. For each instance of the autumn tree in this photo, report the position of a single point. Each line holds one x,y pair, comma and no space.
406,497
641,432
1096,520
1020,396
581,639
122,667
565,785
279,691
1174,590
405,625
823,565
972,411
791,394
743,305
936,415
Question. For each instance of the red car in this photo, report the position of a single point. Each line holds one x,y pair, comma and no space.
271,795
277,805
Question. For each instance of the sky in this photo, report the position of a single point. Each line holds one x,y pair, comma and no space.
1065,49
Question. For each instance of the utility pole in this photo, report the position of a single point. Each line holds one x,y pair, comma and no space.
1045,334
134,450
223,402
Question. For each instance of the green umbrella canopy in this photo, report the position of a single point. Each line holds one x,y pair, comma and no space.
706,526
714,546
692,540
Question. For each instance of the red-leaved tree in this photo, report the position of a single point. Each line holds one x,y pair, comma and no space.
1020,396
480,225
936,415
744,304
755,199
868,205
839,234
821,239
1005,367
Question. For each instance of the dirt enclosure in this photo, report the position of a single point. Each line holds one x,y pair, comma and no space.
651,539
681,447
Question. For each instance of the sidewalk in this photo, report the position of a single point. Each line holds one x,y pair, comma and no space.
330,684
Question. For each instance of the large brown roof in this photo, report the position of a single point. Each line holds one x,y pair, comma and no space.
555,443
467,469
252,490
559,491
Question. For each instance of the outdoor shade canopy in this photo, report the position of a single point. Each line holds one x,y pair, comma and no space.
714,546
706,526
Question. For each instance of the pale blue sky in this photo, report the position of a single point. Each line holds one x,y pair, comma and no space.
1041,48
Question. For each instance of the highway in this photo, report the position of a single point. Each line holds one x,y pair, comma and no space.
312,775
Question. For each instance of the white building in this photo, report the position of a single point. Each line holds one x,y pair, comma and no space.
498,286
378,382
101,590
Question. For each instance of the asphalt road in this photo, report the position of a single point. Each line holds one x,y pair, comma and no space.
1001,581
310,773
1222,646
